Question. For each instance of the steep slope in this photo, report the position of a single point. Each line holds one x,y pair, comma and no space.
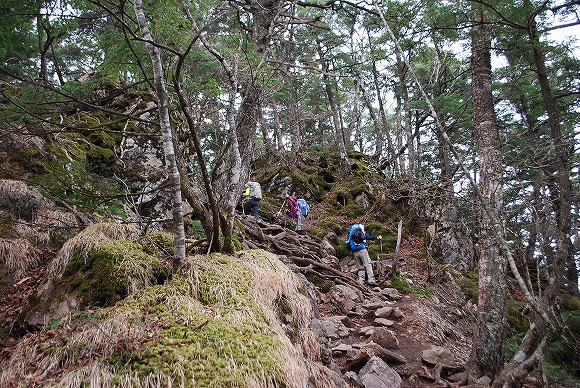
220,321
150,328
284,310
341,335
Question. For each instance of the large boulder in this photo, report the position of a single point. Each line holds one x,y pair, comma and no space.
99,267
345,298
377,374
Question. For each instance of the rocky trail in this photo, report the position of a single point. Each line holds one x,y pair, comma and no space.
379,336
376,337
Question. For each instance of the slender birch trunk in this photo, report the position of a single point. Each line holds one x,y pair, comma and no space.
167,135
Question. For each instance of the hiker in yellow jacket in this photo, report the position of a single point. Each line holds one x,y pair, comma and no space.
254,196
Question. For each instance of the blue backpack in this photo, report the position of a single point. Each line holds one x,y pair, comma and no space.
356,238
303,205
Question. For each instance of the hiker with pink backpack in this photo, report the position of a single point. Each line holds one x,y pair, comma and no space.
298,210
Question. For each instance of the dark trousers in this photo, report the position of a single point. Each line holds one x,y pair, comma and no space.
252,207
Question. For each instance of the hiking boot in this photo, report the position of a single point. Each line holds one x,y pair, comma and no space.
301,232
373,283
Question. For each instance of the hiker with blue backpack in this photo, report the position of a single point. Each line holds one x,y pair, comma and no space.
357,242
298,210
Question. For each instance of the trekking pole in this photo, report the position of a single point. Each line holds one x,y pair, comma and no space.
381,262
277,216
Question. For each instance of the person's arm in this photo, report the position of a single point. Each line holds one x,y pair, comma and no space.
371,237
292,201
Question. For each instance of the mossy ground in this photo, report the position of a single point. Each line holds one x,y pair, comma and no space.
214,324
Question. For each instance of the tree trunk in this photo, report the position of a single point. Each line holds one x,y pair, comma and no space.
57,69
444,163
237,169
210,222
396,159
338,131
355,121
406,127
383,130
565,264
294,119
296,132
487,352
167,136
278,135
377,125
270,150
43,47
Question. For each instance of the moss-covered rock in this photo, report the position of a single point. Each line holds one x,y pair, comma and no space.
158,244
99,266
214,324
107,274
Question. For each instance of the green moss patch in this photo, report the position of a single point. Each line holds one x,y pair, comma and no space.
107,274
216,323
216,352
469,285
401,284
105,262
